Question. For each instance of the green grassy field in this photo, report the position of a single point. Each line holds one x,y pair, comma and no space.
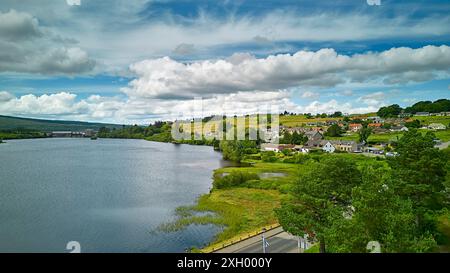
443,135
433,119
299,120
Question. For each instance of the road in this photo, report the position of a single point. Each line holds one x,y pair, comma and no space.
279,242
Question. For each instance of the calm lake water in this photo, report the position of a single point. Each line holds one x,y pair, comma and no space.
109,195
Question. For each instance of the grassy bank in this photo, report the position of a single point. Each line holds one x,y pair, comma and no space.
238,210
244,209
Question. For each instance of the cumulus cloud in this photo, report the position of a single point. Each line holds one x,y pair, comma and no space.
27,47
167,78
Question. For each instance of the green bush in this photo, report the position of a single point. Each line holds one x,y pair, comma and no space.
234,178
253,157
269,156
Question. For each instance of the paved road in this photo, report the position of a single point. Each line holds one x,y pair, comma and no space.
279,242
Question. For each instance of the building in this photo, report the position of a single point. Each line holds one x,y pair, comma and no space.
405,115
313,135
89,133
399,128
354,127
422,114
375,119
331,122
373,150
328,147
61,134
271,147
374,125
301,149
346,145
436,126
379,130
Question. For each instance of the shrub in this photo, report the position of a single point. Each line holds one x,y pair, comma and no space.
234,178
268,156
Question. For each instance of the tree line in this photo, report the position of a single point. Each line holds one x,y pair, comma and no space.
442,105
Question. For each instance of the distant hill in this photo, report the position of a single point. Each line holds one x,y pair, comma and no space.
10,123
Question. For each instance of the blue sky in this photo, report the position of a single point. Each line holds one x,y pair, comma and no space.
136,61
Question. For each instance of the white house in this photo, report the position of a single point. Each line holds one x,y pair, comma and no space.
436,126
328,147
270,147
399,129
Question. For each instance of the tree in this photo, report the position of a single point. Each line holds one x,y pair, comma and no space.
321,194
413,124
389,111
287,138
378,214
337,114
298,139
442,105
334,131
420,171
235,150
232,150
364,134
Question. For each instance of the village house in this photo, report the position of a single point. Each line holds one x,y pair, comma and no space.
331,122
301,148
330,146
374,125
346,145
299,130
436,126
443,114
314,135
373,150
398,128
422,114
379,130
354,127
271,147
405,115
375,119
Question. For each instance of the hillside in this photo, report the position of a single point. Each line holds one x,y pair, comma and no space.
11,123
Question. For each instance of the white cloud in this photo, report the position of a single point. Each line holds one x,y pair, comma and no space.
167,78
